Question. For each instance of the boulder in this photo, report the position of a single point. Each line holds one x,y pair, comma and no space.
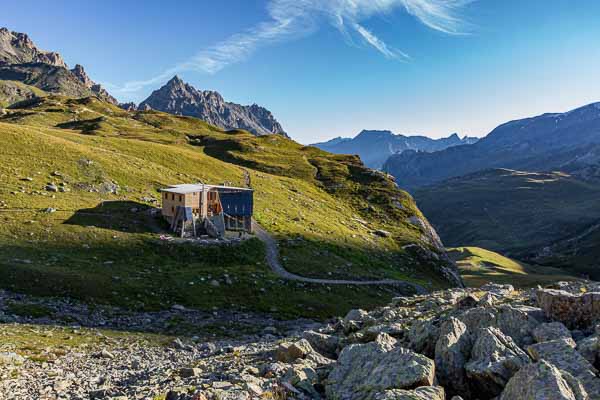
561,353
288,352
303,378
364,370
498,289
518,322
357,315
589,348
551,331
324,344
541,381
573,310
354,320
420,393
495,358
452,351
423,336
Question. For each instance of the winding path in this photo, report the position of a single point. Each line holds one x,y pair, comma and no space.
273,261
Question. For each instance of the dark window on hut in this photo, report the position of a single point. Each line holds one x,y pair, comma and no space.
180,198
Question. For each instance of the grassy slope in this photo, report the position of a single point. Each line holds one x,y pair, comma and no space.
478,266
514,212
322,207
13,91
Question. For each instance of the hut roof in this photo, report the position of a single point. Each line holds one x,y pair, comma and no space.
199,187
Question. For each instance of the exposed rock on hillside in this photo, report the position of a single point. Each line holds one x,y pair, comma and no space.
18,48
178,97
22,61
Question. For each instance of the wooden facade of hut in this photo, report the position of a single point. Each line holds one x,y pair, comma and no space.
215,209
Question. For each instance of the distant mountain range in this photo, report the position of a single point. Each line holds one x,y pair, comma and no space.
375,147
180,98
27,72
530,189
560,141
21,61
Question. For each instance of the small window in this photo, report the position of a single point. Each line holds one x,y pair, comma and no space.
180,198
172,196
173,209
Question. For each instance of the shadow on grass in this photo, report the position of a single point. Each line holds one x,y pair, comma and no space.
143,274
123,216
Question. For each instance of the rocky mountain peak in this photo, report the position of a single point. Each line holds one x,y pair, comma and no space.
180,98
80,73
18,48
175,81
22,60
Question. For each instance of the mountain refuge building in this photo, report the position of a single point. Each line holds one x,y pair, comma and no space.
194,209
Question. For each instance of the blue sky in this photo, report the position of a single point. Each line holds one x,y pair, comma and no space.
325,69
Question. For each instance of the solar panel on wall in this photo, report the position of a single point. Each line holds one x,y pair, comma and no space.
237,203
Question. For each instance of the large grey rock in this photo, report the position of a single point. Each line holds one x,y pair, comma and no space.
589,348
551,331
304,378
323,343
543,381
562,354
495,358
423,336
452,351
288,352
518,322
363,370
420,393
574,310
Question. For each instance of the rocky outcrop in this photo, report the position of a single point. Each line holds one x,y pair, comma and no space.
543,380
574,310
452,351
22,61
507,350
421,393
561,353
495,358
364,370
18,48
551,331
80,73
180,98
323,343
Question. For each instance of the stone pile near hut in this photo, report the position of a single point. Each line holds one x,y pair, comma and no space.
487,343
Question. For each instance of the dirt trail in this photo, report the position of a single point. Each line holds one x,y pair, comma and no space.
275,264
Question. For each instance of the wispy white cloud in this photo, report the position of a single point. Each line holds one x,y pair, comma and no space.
296,18
380,44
